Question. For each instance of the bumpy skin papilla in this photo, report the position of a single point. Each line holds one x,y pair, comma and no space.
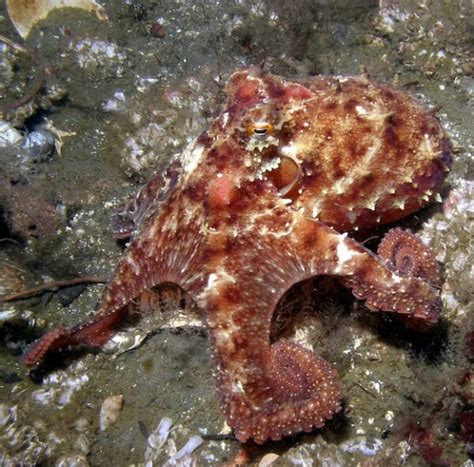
265,198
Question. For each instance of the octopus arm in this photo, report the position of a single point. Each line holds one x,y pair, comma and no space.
372,278
126,220
270,390
266,390
93,333
154,258
405,252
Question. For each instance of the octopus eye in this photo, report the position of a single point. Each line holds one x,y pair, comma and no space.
260,129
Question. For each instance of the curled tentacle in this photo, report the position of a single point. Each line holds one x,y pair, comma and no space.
302,392
406,254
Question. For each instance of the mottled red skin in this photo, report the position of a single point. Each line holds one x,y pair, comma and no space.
355,153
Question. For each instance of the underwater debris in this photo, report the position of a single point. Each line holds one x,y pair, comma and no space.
72,460
14,316
184,455
451,233
12,44
319,452
431,46
156,440
59,388
39,144
8,56
50,286
23,98
125,341
162,116
25,14
9,135
12,277
21,444
160,440
116,103
100,59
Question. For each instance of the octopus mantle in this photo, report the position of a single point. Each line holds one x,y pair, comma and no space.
263,199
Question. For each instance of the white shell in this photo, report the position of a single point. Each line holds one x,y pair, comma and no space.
25,14
110,410
268,459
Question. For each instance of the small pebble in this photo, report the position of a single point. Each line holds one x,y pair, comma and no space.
9,135
39,143
158,30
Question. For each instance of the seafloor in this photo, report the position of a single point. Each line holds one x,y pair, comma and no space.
110,103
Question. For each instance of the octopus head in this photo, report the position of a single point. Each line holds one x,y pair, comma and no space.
350,152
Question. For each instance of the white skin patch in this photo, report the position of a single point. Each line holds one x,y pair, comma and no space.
238,388
224,340
216,280
135,266
211,280
225,119
374,113
396,279
364,167
345,254
290,150
316,209
426,148
192,155
361,110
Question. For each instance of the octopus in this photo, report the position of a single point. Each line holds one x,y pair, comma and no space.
268,197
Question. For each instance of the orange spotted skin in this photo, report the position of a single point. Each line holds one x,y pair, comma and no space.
265,198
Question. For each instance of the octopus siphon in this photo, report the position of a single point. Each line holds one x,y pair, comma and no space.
266,198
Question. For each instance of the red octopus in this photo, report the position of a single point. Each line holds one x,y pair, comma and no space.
265,198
